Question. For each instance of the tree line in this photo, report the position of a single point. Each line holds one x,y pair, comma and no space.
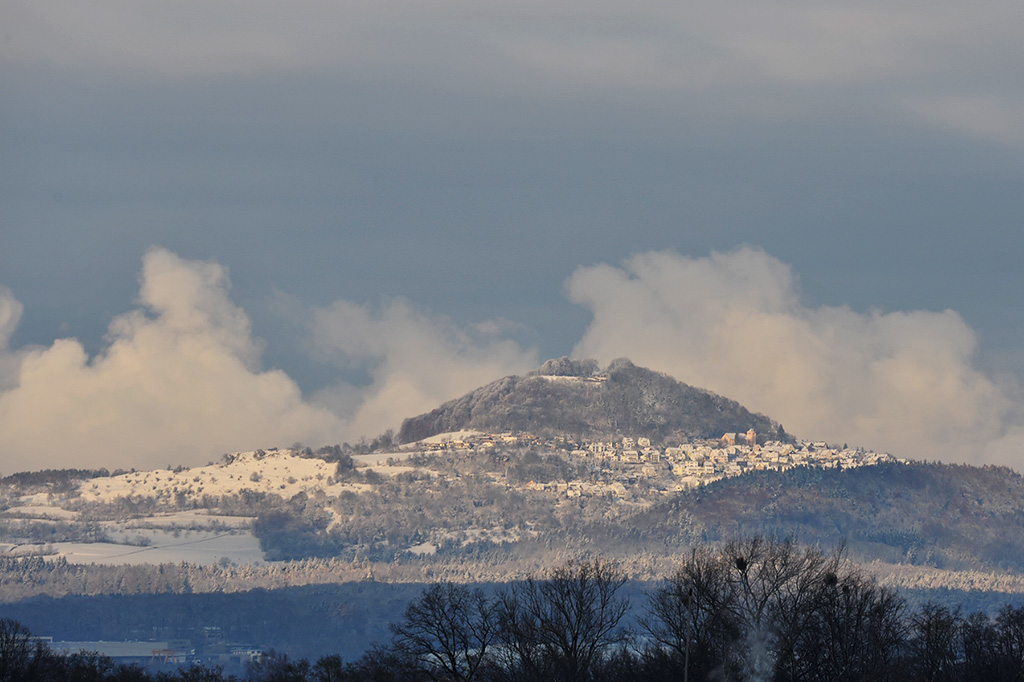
754,609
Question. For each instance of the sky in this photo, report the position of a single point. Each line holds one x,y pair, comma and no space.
227,225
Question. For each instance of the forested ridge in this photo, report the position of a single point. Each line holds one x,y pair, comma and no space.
941,515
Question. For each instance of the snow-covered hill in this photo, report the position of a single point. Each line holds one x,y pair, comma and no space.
201,535
280,472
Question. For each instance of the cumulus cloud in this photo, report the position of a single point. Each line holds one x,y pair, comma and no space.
416,362
735,323
10,315
178,382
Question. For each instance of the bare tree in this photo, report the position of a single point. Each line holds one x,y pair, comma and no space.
760,608
856,633
776,585
934,646
18,650
692,616
561,627
448,630
1010,626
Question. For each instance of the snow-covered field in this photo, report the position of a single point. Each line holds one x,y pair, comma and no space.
379,458
42,510
198,547
451,436
195,519
278,472
196,536
193,536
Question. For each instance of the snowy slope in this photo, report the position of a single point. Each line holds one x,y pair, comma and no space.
279,472
200,535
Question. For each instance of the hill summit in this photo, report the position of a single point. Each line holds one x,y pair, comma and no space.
578,398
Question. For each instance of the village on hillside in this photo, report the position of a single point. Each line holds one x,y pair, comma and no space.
636,460
459,480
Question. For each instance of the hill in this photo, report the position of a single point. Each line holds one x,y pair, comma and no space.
347,537
576,398
941,515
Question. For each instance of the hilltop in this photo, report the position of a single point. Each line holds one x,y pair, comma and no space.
577,398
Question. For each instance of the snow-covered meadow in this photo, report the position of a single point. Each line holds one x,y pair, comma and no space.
199,536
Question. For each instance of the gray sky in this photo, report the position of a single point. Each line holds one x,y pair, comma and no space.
227,225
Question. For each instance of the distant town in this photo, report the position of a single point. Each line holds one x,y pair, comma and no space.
634,461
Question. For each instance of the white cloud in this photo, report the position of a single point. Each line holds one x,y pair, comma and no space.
178,383
734,323
180,379
10,315
416,362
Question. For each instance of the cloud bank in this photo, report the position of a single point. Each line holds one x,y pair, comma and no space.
180,383
764,59
177,383
734,323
